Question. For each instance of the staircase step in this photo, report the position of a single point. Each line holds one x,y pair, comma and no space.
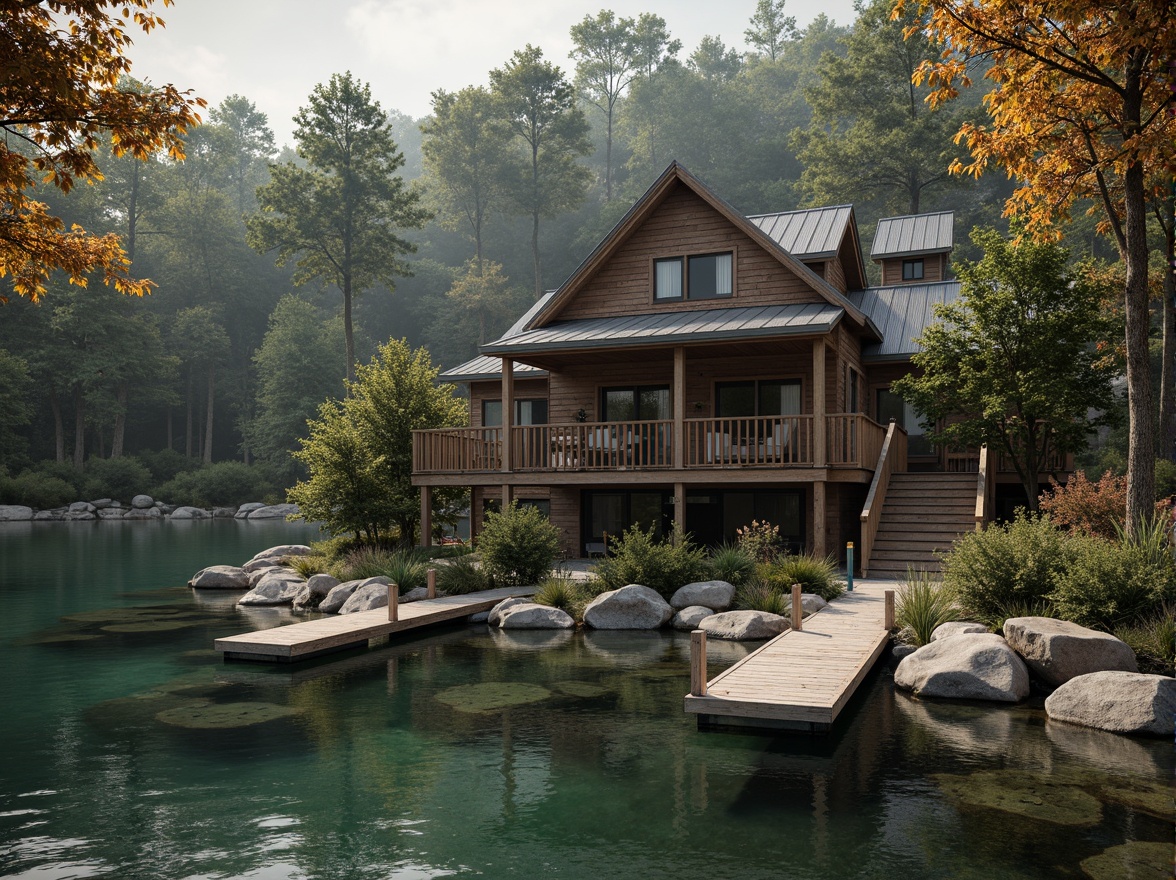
925,518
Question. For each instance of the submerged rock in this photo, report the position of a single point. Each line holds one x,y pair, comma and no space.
631,607
690,616
741,626
711,594
1057,650
220,577
492,696
1033,795
223,716
965,667
1121,702
1136,859
957,628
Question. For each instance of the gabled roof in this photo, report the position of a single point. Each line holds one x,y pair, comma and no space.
902,312
665,328
813,234
484,367
913,234
673,175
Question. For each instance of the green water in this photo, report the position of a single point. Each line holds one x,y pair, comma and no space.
387,764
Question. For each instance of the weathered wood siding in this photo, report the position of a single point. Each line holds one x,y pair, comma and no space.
524,389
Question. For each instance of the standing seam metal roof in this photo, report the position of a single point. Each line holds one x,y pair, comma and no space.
807,235
916,234
902,313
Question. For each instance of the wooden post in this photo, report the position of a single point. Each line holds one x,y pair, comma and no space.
679,408
819,523
393,602
679,511
820,428
698,663
797,609
507,414
432,588
888,618
426,517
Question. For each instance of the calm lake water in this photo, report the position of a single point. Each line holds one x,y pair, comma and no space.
403,762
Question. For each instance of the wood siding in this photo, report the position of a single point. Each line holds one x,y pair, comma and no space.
524,389
934,269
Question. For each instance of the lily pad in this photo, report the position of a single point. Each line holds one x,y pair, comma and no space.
1139,860
491,696
1024,794
223,716
583,689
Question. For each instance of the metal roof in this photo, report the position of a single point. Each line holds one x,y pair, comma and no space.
902,313
807,235
672,327
915,234
485,367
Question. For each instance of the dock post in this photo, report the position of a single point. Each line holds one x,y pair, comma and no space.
698,663
432,581
797,609
888,620
393,602
849,566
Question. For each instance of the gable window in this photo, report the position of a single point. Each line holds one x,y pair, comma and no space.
704,276
912,270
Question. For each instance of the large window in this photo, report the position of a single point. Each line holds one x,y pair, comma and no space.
891,406
639,403
704,276
606,514
527,412
763,397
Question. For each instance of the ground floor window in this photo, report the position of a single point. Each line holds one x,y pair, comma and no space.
495,505
608,513
713,515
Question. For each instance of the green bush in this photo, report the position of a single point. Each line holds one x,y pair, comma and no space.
556,592
732,564
36,490
165,464
118,478
518,545
815,574
225,484
405,568
921,605
639,557
65,472
462,575
1017,563
758,596
309,565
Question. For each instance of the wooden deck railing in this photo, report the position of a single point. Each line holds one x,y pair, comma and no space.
768,441
592,446
892,458
985,480
855,440
457,449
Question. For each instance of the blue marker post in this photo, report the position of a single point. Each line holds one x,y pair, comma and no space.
849,564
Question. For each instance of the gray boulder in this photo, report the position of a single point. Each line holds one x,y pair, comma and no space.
142,502
272,554
82,507
275,511
273,589
900,651
260,564
690,616
103,503
220,577
414,595
79,515
631,607
338,596
965,667
111,513
1057,650
479,617
530,615
245,509
957,628
743,626
320,585
495,616
257,574
1122,702
45,515
810,603
224,512
143,513
367,597
189,513
710,594
15,513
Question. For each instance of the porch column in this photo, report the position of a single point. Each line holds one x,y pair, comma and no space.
507,411
820,454
679,510
679,408
819,537
507,495
426,517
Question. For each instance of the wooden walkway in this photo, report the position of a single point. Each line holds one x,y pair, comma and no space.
339,632
801,680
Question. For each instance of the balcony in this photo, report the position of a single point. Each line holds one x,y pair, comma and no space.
852,440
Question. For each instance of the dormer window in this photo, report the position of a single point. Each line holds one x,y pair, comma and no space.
706,276
912,270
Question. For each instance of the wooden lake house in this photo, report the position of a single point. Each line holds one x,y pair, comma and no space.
706,368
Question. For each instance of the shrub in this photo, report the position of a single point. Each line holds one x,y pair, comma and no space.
63,471
227,483
731,563
760,540
461,576
405,568
1006,565
639,557
921,605
518,545
164,464
1094,508
309,565
36,490
1154,641
556,592
118,478
758,596
814,574
997,619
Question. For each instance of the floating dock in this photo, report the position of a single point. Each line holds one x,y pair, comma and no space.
340,632
801,680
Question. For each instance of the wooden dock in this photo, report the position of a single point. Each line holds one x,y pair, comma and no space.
801,680
340,632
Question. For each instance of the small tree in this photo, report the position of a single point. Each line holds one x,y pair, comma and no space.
1014,363
518,545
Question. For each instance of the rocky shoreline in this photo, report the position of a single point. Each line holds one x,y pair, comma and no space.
141,507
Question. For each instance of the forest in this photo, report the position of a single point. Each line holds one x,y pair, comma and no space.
276,271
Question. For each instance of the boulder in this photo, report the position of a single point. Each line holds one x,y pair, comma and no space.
256,575
82,507
142,502
710,594
15,513
79,515
479,617
367,597
957,628
900,651
743,626
690,616
965,667
103,503
189,513
143,513
165,509
1057,650
260,564
320,585
273,554
414,595
529,615
1121,702
45,515
810,603
220,577
334,600
224,512
274,511
273,589
495,616
630,607
111,513
245,509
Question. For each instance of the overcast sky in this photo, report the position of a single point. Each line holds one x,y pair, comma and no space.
275,51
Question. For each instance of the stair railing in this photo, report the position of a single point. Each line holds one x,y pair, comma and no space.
892,458
985,477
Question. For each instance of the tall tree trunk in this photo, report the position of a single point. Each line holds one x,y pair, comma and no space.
535,254
608,152
1140,407
79,453
58,426
1167,432
133,212
188,424
120,423
100,438
347,332
208,417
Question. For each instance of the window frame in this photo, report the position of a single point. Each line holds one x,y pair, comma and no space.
683,260
517,411
916,263
755,390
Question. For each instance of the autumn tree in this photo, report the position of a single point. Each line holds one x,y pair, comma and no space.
770,28
340,219
538,105
65,91
1082,110
1014,362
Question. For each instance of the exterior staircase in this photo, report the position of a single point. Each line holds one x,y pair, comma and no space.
923,512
